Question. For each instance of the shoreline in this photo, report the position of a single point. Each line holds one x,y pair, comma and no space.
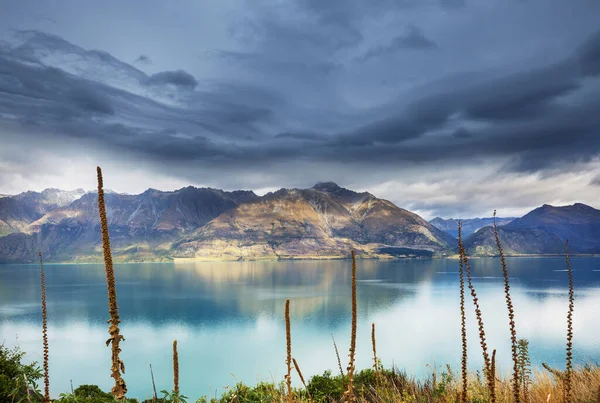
305,258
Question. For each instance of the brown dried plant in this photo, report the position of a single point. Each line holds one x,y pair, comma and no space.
288,343
463,322
375,363
301,378
120,389
568,397
482,340
349,393
511,316
175,372
493,376
337,354
45,332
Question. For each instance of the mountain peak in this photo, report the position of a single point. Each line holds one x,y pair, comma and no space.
327,187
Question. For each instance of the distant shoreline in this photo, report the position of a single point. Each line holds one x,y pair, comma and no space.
217,260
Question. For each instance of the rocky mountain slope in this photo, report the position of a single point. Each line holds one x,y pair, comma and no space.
543,231
325,221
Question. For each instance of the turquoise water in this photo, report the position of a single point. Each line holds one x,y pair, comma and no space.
228,317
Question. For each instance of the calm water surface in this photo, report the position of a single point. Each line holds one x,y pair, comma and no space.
228,317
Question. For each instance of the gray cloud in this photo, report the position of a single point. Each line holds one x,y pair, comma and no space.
143,59
178,78
413,38
284,93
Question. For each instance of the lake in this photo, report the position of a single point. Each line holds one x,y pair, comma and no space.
228,318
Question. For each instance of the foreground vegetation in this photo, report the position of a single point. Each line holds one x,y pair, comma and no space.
582,384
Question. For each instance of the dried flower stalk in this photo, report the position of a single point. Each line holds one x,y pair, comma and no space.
568,395
337,354
288,343
486,357
463,322
120,389
511,316
349,394
301,378
375,356
45,332
175,372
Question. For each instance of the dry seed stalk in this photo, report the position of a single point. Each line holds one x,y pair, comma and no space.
349,394
568,397
493,377
175,372
45,332
463,321
288,343
120,389
337,354
154,397
301,378
511,316
486,357
375,356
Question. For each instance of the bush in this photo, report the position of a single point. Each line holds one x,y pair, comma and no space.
12,376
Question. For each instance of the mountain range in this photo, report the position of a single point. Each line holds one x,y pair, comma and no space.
323,222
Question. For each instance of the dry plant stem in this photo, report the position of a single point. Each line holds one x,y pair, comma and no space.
349,394
568,397
486,357
288,343
154,397
175,372
493,378
337,354
120,389
301,378
463,322
375,356
45,332
511,316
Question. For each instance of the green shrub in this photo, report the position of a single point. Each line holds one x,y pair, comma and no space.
12,372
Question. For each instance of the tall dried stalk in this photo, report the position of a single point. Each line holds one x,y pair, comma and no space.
337,354
493,375
301,378
511,316
568,396
463,327
120,389
349,394
288,343
154,397
486,357
45,332
175,372
375,356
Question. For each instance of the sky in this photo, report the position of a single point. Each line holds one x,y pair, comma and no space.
448,108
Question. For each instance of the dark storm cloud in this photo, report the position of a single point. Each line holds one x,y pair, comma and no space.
178,78
143,59
366,87
452,3
413,38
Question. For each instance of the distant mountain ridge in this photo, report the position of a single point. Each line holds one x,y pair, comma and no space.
544,230
325,221
469,225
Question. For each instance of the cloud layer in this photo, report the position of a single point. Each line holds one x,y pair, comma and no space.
374,96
